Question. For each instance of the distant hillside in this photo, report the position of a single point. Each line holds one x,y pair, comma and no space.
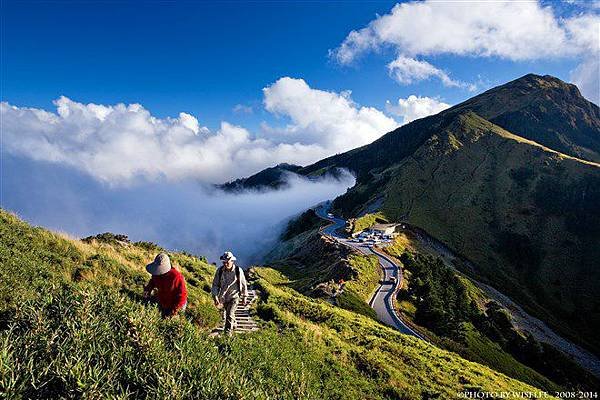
73,324
270,178
278,177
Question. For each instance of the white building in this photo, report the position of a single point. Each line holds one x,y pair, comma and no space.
383,229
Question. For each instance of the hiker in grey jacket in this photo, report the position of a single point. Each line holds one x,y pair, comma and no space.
228,285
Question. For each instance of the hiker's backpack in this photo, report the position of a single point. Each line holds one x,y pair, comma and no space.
237,276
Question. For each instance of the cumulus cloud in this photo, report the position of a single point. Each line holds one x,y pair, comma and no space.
415,107
120,144
407,70
331,119
510,30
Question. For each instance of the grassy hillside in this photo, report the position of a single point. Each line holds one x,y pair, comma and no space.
458,316
72,324
417,369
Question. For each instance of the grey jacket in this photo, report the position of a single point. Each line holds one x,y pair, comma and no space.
225,285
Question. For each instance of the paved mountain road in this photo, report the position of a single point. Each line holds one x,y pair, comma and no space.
382,300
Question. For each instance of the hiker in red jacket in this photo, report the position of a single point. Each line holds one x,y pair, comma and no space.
170,284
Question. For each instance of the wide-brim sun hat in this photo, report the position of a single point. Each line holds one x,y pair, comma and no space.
228,256
160,265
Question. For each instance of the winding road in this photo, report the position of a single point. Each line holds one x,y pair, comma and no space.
382,300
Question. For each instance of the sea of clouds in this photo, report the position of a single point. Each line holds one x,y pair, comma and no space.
90,168
183,215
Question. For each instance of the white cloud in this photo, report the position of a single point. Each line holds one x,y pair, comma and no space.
510,30
587,78
586,30
415,107
408,70
180,215
190,122
330,119
122,144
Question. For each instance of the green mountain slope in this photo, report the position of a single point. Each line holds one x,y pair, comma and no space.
525,215
72,324
456,314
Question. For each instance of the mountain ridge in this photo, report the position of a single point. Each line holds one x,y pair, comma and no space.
405,139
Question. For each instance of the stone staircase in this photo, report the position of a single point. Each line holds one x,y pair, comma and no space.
244,322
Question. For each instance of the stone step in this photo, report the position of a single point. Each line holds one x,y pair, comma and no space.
244,321
239,330
243,324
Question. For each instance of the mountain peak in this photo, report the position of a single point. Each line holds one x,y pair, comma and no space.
542,82
544,109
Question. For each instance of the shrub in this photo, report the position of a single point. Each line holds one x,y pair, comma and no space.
107,237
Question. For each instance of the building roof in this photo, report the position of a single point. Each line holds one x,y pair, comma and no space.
380,227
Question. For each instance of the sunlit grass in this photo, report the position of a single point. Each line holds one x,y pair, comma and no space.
73,324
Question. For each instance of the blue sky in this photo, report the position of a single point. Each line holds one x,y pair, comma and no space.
115,115
196,57
214,91
204,58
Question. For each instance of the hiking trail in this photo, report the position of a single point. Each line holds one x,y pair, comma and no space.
243,321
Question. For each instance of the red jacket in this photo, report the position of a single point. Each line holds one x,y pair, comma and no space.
172,293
